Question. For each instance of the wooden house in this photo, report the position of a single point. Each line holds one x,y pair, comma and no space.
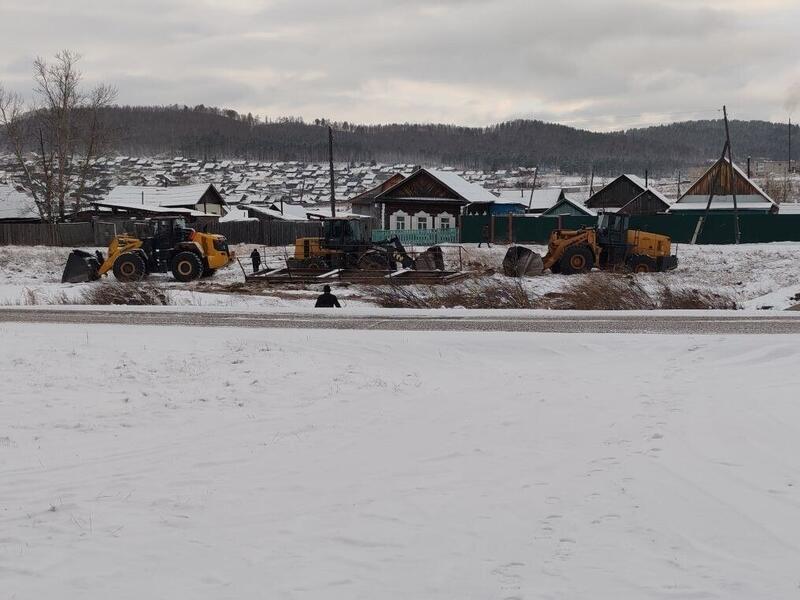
365,203
429,199
568,208
649,202
723,179
617,194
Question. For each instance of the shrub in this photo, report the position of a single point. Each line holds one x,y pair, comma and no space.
132,294
469,294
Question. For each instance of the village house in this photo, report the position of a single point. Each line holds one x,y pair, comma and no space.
365,203
723,181
202,197
617,193
16,206
429,199
566,207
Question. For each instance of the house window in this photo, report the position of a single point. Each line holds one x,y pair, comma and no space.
398,220
422,222
444,222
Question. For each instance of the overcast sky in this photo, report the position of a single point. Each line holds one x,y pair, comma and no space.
596,64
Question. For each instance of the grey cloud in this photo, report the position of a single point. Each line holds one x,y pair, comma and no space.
467,61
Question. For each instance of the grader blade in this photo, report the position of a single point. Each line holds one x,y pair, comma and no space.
81,266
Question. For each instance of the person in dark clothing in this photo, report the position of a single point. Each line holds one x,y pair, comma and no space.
485,236
327,300
256,258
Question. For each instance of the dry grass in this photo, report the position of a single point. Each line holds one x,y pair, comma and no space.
598,291
131,294
607,291
468,294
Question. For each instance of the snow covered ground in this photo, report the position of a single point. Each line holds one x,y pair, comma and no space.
755,275
156,462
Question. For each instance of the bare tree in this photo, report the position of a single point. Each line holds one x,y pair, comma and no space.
56,139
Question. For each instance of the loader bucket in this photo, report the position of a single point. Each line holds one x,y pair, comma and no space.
81,266
522,262
430,260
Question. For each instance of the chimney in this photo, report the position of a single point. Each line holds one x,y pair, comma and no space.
646,179
748,167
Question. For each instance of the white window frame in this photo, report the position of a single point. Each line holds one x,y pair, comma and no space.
428,221
451,221
393,219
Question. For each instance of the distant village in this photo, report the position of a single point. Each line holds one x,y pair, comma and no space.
393,196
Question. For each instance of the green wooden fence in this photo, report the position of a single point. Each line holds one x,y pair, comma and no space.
717,229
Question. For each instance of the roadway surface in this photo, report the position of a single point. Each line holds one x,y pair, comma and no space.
655,323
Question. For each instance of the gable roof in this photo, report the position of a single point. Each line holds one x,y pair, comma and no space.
176,196
749,194
577,205
17,205
457,185
665,203
368,196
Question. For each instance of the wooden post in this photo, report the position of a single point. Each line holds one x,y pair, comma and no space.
535,176
510,228
330,159
732,178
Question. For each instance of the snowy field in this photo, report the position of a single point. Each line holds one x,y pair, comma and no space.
755,275
217,463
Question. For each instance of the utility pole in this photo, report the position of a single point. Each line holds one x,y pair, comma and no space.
679,184
732,177
790,144
591,183
535,177
330,158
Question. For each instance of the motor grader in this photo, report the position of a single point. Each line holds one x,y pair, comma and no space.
160,246
610,245
346,244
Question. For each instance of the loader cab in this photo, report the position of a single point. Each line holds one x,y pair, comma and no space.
345,234
612,229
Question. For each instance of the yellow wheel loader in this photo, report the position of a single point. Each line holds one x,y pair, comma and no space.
610,245
167,246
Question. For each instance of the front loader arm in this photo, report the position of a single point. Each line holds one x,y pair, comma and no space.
117,246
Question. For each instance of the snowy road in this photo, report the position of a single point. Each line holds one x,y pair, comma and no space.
227,463
550,321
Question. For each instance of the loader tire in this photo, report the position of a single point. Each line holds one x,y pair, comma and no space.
129,266
576,259
187,266
642,264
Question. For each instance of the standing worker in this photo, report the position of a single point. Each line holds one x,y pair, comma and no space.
485,236
326,299
256,258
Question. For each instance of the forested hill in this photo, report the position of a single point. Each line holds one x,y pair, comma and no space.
211,133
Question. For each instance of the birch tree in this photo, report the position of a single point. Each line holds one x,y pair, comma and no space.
56,138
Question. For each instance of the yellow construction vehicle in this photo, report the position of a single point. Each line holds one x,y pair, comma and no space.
167,245
610,245
346,244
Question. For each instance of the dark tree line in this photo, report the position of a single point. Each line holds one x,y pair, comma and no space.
213,134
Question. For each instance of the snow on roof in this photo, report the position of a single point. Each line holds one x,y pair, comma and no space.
637,180
471,192
16,205
287,215
789,208
578,205
151,208
237,214
181,195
